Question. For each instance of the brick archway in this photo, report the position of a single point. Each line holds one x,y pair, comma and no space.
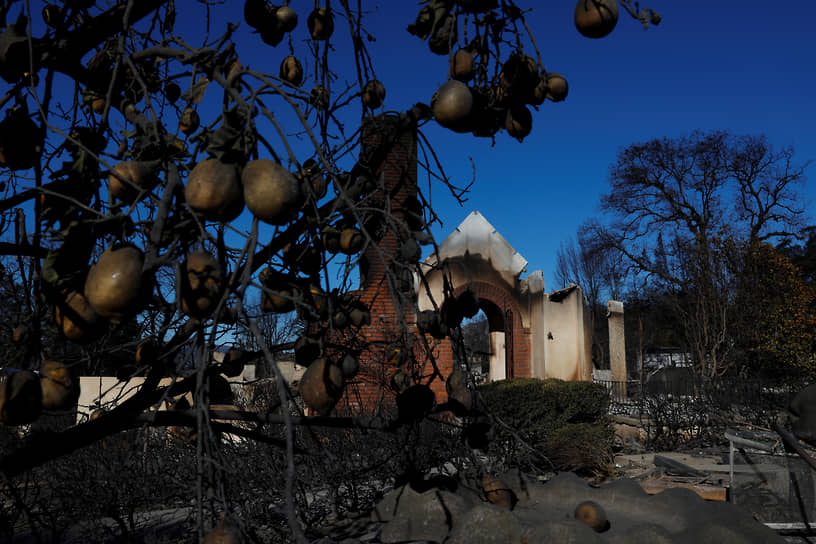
517,336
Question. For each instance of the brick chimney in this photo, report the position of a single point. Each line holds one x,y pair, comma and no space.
389,145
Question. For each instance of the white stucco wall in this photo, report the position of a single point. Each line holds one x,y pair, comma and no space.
565,352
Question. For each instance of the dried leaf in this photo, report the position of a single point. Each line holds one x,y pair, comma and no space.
196,94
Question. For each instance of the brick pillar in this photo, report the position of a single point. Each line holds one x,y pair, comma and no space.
392,318
396,178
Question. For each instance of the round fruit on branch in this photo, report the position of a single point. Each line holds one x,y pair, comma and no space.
307,349
202,284
557,87
477,432
350,365
256,13
113,285
291,70
271,192
596,18
60,389
52,15
340,318
359,314
539,92
519,75
313,178
147,351
405,279
518,122
233,362
320,23
75,318
14,50
319,97
278,294
415,403
468,303
287,18
373,94
450,313
352,241
331,240
21,140
452,105
189,121
410,251
97,104
172,91
214,191
462,66
316,307
429,322
129,179
322,386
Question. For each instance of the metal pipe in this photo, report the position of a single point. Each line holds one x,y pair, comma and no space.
731,450
749,443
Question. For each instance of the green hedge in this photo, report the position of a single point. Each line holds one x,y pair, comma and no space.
566,421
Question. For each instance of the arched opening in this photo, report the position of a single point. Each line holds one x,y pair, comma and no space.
485,343
497,330
476,340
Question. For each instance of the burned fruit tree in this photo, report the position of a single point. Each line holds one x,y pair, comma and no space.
158,190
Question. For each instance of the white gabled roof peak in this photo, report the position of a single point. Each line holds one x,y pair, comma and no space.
476,236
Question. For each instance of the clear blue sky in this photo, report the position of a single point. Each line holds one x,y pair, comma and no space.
744,66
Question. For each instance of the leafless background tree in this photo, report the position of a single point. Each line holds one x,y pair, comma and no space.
685,215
